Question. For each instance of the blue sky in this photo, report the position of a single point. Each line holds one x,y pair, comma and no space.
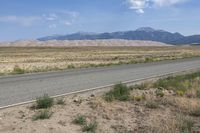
30,19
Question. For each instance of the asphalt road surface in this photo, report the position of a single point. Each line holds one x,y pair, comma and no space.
22,88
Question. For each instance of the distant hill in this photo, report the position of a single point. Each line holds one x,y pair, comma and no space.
77,43
144,33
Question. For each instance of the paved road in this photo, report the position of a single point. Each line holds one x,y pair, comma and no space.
21,88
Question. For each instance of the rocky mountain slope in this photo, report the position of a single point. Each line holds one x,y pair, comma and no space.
144,33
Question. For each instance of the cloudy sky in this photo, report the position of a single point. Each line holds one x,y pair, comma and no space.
29,19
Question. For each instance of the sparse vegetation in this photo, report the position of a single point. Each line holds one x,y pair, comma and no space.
71,66
180,93
195,112
185,124
40,59
141,86
42,114
161,109
80,120
159,93
86,127
182,84
152,104
120,92
90,127
198,93
44,102
139,98
18,70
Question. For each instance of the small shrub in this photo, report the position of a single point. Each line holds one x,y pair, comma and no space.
152,104
91,127
18,70
71,66
147,59
109,97
180,93
195,112
79,120
120,92
44,102
198,94
139,98
44,114
61,101
159,93
139,86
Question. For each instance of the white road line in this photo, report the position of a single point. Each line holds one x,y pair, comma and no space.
100,87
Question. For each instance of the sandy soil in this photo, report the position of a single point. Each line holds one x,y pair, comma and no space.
74,43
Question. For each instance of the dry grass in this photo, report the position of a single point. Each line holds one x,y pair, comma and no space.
37,59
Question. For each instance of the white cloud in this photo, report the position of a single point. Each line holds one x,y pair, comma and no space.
52,20
140,11
140,5
21,20
50,17
65,18
71,13
161,3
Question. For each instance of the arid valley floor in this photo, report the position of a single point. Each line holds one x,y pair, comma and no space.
16,60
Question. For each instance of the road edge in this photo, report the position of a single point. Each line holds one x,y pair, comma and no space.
105,86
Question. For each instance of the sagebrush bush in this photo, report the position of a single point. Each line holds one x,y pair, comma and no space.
44,102
43,114
18,70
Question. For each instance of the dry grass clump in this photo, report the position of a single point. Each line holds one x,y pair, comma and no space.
120,92
44,102
18,70
152,104
42,105
79,120
90,126
42,114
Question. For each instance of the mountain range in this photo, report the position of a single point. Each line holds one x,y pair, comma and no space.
144,33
